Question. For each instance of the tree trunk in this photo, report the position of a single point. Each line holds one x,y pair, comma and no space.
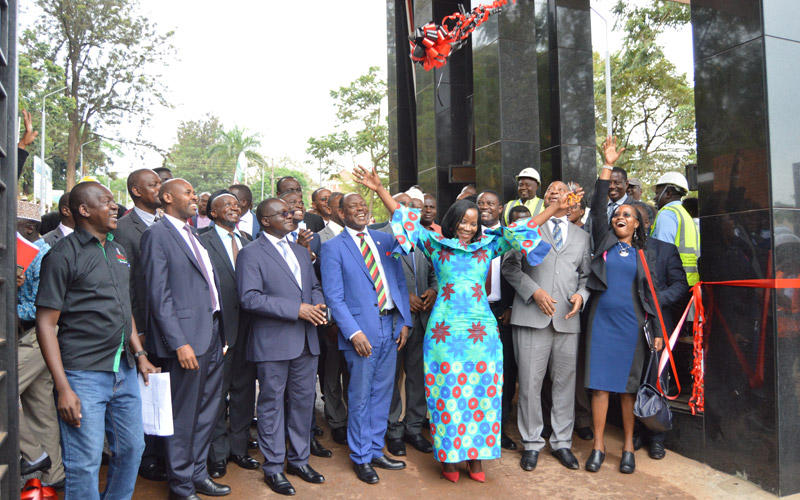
72,151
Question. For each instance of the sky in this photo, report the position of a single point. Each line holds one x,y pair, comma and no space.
269,66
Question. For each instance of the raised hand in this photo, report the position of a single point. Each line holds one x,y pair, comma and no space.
610,151
30,134
367,178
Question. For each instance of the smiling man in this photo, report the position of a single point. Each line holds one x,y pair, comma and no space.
527,184
84,291
185,331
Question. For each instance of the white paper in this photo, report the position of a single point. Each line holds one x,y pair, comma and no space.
156,405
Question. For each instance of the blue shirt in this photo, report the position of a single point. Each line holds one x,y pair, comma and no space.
666,224
26,295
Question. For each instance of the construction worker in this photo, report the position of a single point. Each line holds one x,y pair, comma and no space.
528,182
673,223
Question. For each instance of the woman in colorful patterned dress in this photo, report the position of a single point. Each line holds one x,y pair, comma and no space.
462,349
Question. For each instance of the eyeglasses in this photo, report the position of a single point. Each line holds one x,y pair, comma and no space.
285,214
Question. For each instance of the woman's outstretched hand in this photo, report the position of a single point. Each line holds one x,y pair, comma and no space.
570,199
610,152
367,178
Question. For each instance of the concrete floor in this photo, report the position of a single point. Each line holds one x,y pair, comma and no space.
674,477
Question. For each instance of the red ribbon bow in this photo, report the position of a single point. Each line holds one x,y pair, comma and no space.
34,490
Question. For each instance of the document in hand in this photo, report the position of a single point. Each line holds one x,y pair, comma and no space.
156,405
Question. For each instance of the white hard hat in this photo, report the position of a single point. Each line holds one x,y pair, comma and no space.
531,173
675,179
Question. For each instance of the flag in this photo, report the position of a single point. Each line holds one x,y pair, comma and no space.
240,174
26,252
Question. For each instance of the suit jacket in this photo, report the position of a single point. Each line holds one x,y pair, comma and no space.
269,291
178,303
561,274
235,320
671,283
54,236
425,276
128,233
314,222
350,291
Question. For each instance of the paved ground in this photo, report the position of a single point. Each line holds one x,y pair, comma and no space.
674,477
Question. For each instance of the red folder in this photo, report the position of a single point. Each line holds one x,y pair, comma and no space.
26,252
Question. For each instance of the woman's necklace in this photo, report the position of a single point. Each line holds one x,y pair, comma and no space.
623,249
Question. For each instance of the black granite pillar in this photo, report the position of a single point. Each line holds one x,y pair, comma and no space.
747,53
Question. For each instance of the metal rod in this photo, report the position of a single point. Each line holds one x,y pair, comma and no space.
608,76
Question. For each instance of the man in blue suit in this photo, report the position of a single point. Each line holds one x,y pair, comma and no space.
279,288
365,288
185,331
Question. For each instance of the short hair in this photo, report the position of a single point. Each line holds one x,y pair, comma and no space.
279,181
63,202
80,195
262,208
491,191
454,215
244,190
620,171
134,177
214,196
50,221
159,170
316,192
519,209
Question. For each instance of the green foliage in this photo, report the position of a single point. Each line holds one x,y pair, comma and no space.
652,105
191,157
361,129
275,168
229,145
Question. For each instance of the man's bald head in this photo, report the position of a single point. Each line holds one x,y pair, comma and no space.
403,199
143,186
84,193
178,198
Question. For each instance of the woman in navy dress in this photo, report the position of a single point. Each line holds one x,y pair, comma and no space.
621,304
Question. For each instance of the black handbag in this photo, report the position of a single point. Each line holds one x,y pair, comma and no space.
652,407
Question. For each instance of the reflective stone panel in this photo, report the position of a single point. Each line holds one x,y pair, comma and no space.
718,25
576,87
574,25
520,111
426,130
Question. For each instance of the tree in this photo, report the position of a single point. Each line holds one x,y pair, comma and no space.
652,105
191,157
362,128
108,53
231,144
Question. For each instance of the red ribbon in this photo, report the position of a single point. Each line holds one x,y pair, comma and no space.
34,490
432,43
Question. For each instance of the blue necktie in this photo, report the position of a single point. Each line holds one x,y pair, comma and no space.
557,237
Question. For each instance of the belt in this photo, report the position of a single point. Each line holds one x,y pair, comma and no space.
387,312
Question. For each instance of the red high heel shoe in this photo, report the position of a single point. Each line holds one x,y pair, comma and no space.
476,476
450,476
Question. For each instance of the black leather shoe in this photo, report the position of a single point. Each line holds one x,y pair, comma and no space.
306,473
421,444
58,485
218,469
279,484
252,444
339,435
595,460
529,460
628,463
547,431
387,463
153,472
396,447
26,467
245,461
638,442
317,431
212,489
657,451
507,443
366,473
175,496
585,433
567,459
318,450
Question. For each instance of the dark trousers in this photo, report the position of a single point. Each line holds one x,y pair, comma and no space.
196,395
509,363
410,361
334,383
239,389
285,406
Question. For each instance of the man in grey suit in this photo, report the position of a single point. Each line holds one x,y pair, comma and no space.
224,241
546,328
421,282
278,287
65,227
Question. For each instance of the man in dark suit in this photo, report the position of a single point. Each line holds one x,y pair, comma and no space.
247,219
366,291
65,227
224,242
421,283
278,287
185,331
290,185
143,187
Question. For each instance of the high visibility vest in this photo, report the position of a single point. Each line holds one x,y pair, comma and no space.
535,206
687,240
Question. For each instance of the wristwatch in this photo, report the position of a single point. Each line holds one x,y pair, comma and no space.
139,354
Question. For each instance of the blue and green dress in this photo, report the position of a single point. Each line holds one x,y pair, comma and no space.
462,348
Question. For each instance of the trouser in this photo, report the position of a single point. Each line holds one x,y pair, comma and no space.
509,363
38,420
370,393
335,382
583,406
410,360
196,395
111,406
230,436
537,348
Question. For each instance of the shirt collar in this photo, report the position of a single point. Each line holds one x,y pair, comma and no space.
620,201
179,224
354,232
85,236
146,217
335,227
562,219
223,232
272,239
65,230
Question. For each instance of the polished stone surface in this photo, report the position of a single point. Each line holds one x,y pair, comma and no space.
718,25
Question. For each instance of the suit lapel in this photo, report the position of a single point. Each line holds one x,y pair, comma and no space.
273,252
351,245
173,231
138,223
219,247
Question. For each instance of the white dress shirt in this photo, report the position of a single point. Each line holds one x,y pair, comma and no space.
564,227
179,224
226,238
65,230
288,255
376,254
246,223
146,217
335,227
496,294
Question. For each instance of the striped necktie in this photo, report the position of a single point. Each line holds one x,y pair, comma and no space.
558,238
372,267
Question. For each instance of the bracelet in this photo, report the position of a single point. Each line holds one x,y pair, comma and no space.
608,167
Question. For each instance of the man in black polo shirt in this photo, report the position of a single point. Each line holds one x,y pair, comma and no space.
84,289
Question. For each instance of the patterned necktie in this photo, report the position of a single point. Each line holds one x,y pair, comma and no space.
292,263
611,206
372,267
202,263
557,236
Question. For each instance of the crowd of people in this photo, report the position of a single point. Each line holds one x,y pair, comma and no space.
415,329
